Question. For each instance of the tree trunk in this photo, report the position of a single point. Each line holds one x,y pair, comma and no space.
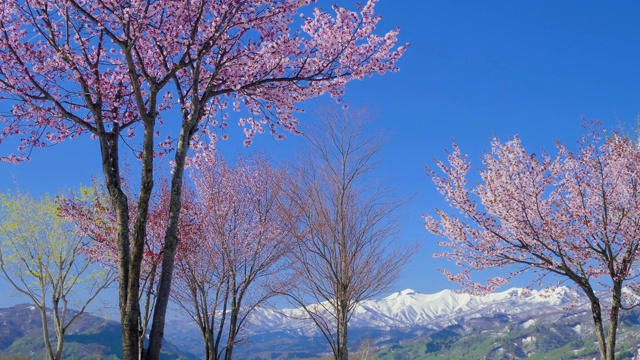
45,333
57,326
140,225
209,349
58,323
596,313
343,351
170,244
60,345
218,345
145,312
130,255
233,324
128,302
616,303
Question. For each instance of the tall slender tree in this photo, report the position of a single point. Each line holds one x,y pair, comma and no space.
576,215
345,223
43,258
113,68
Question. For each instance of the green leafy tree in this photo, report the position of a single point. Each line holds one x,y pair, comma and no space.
42,258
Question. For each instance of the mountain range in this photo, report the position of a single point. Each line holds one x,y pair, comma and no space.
408,319
88,338
512,324
409,309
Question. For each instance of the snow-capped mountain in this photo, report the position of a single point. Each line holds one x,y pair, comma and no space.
512,324
400,316
408,308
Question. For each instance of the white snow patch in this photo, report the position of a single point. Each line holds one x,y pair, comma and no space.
528,323
577,328
528,340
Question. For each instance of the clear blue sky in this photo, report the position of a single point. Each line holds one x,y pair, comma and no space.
474,69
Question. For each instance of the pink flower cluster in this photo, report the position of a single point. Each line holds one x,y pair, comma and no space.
576,214
68,67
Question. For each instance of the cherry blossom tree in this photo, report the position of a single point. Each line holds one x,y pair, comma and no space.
231,240
345,223
112,69
575,215
233,246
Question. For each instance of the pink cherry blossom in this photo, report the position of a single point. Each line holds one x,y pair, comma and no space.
575,215
119,70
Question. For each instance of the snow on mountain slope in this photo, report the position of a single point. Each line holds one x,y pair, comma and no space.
409,308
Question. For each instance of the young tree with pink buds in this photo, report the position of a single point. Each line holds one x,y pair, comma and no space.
113,68
232,249
575,215
90,210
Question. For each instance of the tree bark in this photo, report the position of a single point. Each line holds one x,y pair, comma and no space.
616,303
45,333
233,322
128,301
596,313
343,351
59,327
170,243
209,349
59,346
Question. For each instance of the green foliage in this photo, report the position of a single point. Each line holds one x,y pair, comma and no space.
43,259
39,252
443,339
33,237
13,357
